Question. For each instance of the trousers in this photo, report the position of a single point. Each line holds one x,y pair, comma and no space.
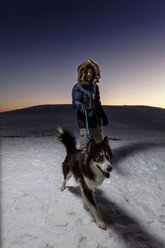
94,133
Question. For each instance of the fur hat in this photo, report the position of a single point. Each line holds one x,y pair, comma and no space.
91,64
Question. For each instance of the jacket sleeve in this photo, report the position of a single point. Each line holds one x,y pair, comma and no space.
100,108
76,97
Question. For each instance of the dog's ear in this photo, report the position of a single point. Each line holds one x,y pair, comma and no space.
90,148
90,145
105,141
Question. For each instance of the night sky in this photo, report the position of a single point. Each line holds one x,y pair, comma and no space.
43,42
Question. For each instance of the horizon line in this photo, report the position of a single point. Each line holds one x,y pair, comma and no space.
37,105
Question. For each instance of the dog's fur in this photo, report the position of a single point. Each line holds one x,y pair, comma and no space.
89,168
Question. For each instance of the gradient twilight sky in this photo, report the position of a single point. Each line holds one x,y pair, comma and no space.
43,42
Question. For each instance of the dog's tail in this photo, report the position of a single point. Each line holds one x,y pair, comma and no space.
67,138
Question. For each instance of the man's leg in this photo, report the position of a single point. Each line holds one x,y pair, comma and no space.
82,138
96,134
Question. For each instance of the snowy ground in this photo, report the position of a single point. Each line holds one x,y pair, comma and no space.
35,213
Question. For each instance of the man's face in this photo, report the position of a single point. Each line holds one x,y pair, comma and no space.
88,74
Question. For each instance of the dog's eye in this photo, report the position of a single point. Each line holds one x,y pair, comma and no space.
97,159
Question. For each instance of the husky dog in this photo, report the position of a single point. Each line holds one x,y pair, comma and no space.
89,168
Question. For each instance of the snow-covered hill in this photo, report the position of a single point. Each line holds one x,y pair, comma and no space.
35,213
44,119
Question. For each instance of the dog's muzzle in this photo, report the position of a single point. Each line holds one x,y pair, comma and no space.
105,174
109,168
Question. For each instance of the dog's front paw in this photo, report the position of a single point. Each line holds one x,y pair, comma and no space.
101,225
85,207
62,188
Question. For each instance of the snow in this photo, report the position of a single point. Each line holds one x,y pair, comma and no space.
35,213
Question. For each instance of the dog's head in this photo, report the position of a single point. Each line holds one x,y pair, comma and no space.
99,155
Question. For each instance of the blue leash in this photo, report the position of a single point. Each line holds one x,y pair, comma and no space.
87,128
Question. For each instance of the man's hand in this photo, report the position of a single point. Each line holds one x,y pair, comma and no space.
105,121
83,106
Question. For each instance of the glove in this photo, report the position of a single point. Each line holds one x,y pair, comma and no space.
105,120
83,106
